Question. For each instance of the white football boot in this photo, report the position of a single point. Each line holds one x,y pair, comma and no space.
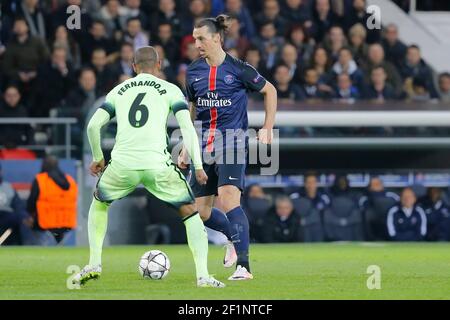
230,255
241,273
86,274
209,282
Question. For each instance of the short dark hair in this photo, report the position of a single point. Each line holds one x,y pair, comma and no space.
219,24
444,75
85,69
281,64
132,19
345,48
20,18
146,57
126,44
378,67
414,46
309,174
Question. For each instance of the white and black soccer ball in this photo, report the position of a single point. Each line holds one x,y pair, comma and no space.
154,265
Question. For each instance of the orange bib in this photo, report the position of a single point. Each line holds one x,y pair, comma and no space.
56,208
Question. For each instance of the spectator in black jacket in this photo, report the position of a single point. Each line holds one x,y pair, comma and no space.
415,67
297,36
378,89
271,12
83,97
124,64
289,57
23,56
11,107
444,86
282,223
133,10
322,19
96,38
311,87
297,11
106,78
166,14
197,9
407,221
287,90
438,215
268,43
239,9
36,18
166,39
60,74
395,50
376,59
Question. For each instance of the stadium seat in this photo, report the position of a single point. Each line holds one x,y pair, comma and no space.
343,220
311,222
256,211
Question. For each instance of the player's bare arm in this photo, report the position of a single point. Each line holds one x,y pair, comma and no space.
265,134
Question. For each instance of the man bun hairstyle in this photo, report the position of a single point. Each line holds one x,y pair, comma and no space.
219,24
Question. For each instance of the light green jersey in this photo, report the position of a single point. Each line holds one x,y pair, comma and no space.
142,106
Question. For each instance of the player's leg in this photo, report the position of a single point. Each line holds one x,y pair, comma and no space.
212,217
115,183
231,184
169,185
204,199
198,244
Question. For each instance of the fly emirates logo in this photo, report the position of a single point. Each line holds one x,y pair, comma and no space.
213,100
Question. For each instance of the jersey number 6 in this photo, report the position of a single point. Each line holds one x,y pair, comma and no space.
135,107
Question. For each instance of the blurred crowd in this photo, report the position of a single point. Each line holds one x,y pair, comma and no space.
310,49
341,213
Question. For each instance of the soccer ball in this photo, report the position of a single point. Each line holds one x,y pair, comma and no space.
154,265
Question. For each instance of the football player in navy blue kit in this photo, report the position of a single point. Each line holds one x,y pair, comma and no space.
217,86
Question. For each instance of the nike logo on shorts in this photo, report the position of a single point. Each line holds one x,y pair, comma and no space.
231,178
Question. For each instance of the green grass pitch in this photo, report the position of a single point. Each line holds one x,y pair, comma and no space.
297,271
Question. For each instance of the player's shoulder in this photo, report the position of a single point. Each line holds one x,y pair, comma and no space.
172,87
116,90
195,64
237,63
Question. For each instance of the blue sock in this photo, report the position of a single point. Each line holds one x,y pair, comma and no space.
218,221
239,226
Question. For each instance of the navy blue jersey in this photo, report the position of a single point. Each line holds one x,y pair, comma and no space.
220,95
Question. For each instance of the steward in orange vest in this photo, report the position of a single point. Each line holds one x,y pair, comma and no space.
53,200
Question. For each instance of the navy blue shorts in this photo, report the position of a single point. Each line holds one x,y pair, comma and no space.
218,175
